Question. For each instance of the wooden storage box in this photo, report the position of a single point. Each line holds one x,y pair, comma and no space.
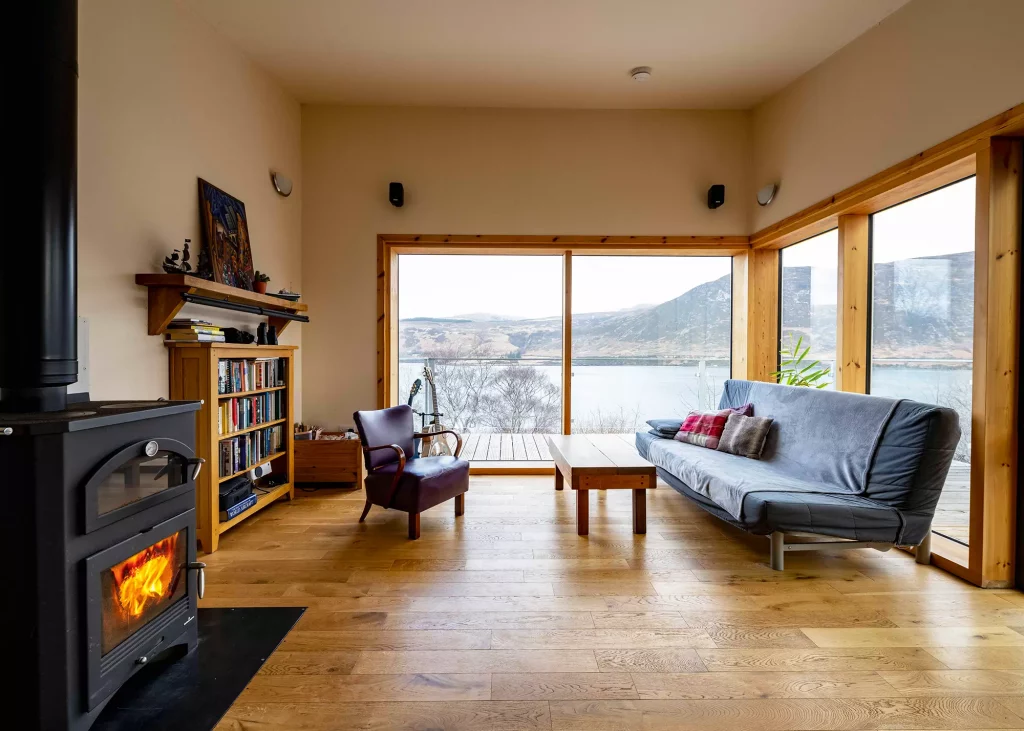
328,460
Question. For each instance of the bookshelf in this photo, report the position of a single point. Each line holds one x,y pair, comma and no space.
195,375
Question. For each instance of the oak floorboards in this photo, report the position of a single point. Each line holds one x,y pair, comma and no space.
505,619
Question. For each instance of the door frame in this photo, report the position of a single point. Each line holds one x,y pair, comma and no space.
390,246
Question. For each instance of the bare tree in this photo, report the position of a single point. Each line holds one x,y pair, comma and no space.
607,422
521,400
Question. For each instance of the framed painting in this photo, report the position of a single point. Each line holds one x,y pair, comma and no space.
225,236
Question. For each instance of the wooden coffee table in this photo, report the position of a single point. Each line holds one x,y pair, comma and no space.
601,462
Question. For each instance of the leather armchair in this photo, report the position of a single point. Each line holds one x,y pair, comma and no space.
396,478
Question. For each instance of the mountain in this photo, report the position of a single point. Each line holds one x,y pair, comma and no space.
922,307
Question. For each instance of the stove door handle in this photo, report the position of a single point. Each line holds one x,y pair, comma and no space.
196,463
200,568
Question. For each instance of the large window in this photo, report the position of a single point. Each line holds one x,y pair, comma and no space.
922,325
808,307
488,329
651,338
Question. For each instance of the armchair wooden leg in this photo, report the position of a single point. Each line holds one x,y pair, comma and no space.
366,509
460,504
414,526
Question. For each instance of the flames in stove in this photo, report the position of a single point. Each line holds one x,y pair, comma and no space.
145,579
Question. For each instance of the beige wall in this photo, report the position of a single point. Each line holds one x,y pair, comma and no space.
495,172
163,99
926,73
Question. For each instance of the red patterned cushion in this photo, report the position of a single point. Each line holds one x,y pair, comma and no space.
704,429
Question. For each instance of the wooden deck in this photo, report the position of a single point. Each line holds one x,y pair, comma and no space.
505,620
505,448
953,513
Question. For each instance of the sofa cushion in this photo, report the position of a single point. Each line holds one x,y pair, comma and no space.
703,429
724,478
745,435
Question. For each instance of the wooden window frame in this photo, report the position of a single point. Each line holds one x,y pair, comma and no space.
993,151
390,246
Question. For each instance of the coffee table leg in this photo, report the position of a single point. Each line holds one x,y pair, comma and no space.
582,512
640,511
559,480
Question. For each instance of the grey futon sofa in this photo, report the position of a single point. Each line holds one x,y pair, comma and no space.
865,469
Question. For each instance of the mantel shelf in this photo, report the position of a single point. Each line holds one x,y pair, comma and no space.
166,290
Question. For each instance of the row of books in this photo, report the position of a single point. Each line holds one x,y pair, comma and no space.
242,452
234,376
193,330
245,411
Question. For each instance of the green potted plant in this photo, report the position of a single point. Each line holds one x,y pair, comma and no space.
260,282
795,370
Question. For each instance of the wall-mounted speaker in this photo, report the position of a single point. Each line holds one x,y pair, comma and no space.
716,196
396,194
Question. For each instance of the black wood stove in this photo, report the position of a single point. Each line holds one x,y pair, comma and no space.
97,519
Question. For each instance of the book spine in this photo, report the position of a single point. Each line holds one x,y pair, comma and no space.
238,508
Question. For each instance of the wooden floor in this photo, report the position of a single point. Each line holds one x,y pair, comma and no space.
505,619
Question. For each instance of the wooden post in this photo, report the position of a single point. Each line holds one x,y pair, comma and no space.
854,289
996,348
756,311
740,293
566,344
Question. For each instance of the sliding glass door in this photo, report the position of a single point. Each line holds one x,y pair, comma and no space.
651,338
483,336
479,342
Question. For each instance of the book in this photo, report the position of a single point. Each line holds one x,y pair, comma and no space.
237,509
197,329
189,322
187,336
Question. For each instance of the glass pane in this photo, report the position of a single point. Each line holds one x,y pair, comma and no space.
651,338
922,331
809,293
488,329
141,587
139,478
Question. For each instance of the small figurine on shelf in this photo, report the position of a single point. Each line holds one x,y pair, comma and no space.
177,262
260,282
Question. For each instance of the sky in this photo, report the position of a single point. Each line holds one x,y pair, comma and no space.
941,222
531,286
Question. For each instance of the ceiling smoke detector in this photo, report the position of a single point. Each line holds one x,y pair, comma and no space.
640,74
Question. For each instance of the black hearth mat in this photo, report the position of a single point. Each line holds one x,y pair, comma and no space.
194,691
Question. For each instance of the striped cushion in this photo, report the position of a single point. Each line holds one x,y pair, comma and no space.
703,429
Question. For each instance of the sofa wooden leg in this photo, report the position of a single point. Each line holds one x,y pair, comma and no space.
923,554
778,551
366,509
414,526
460,504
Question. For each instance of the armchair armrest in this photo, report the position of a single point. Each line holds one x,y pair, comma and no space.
398,473
458,439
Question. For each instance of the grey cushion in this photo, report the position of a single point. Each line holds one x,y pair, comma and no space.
745,435
665,427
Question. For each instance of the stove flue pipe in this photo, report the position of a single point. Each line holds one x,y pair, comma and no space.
38,260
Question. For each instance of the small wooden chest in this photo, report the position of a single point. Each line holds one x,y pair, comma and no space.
328,460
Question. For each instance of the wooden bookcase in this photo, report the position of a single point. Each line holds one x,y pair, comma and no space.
194,377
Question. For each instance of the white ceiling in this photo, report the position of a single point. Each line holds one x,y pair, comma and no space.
706,54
